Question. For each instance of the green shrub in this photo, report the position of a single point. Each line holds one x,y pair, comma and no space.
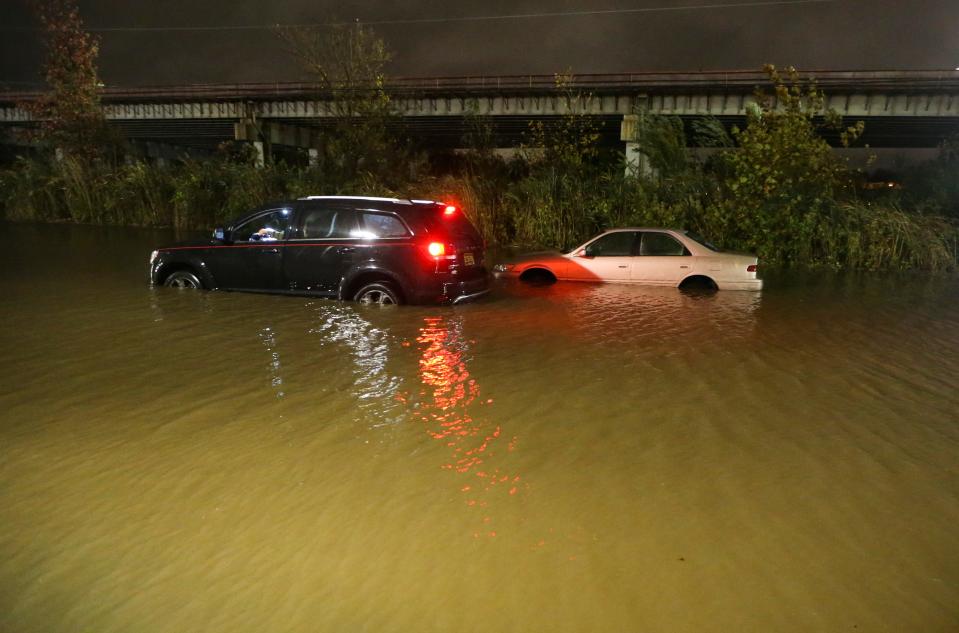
31,192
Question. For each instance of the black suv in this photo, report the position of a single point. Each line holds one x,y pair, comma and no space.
374,250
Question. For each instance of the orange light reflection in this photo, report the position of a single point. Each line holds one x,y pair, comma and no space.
448,396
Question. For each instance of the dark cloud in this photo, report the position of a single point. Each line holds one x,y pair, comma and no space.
845,34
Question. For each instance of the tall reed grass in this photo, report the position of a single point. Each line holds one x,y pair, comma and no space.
510,205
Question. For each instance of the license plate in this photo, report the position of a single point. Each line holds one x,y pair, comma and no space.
468,259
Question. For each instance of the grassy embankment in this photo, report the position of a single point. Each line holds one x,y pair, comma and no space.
520,203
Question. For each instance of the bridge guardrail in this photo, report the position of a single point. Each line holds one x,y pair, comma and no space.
841,81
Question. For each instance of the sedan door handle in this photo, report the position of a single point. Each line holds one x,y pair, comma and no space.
624,266
270,250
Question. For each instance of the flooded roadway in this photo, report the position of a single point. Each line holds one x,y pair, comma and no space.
558,458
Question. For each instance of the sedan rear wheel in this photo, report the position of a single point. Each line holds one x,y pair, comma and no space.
379,293
182,279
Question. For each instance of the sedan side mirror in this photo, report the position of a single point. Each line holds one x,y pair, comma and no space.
219,234
586,252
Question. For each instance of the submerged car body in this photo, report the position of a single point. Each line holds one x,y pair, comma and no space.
374,250
654,256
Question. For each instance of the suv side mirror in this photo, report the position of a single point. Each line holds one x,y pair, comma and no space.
219,234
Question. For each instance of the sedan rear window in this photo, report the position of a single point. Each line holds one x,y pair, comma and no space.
702,241
660,244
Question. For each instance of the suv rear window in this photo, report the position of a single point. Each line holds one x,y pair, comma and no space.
454,225
382,225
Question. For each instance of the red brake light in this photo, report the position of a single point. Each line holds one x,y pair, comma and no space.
449,210
436,249
751,268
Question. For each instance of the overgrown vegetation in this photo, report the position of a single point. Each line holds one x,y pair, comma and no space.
773,187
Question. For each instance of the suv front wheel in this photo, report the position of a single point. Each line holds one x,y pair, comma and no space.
182,279
378,292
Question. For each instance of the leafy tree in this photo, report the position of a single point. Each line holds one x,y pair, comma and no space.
479,137
348,63
784,178
663,143
70,115
932,186
558,202
681,188
571,142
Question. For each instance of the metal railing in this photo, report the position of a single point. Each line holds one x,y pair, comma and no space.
910,81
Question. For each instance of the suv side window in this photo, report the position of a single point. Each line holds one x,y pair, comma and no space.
619,244
270,226
316,223
381,225
661,244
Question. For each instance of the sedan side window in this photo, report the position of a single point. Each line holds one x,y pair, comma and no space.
619,244
661,244
267,227
324,222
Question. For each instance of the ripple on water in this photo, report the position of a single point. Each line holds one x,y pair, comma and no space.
567,457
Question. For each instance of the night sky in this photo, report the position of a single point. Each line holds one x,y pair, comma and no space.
842,34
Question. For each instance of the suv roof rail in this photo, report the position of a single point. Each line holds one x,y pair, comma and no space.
371,198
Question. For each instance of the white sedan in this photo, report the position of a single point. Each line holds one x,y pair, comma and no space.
661,257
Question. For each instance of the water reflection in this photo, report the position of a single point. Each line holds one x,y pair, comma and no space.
268,338
375,387
621,312
452,408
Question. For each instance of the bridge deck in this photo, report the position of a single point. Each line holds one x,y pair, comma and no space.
901,108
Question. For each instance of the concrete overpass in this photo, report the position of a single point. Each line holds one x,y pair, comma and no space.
901,109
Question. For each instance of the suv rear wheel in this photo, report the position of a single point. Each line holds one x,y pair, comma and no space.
378,292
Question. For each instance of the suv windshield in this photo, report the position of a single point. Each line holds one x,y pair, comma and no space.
699,239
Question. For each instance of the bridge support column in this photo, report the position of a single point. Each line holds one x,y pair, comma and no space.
266,135
629,132
260,154
633,158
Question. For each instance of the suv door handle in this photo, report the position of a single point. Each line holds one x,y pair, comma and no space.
270,250
345,249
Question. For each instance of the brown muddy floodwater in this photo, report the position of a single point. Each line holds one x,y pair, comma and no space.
559,458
